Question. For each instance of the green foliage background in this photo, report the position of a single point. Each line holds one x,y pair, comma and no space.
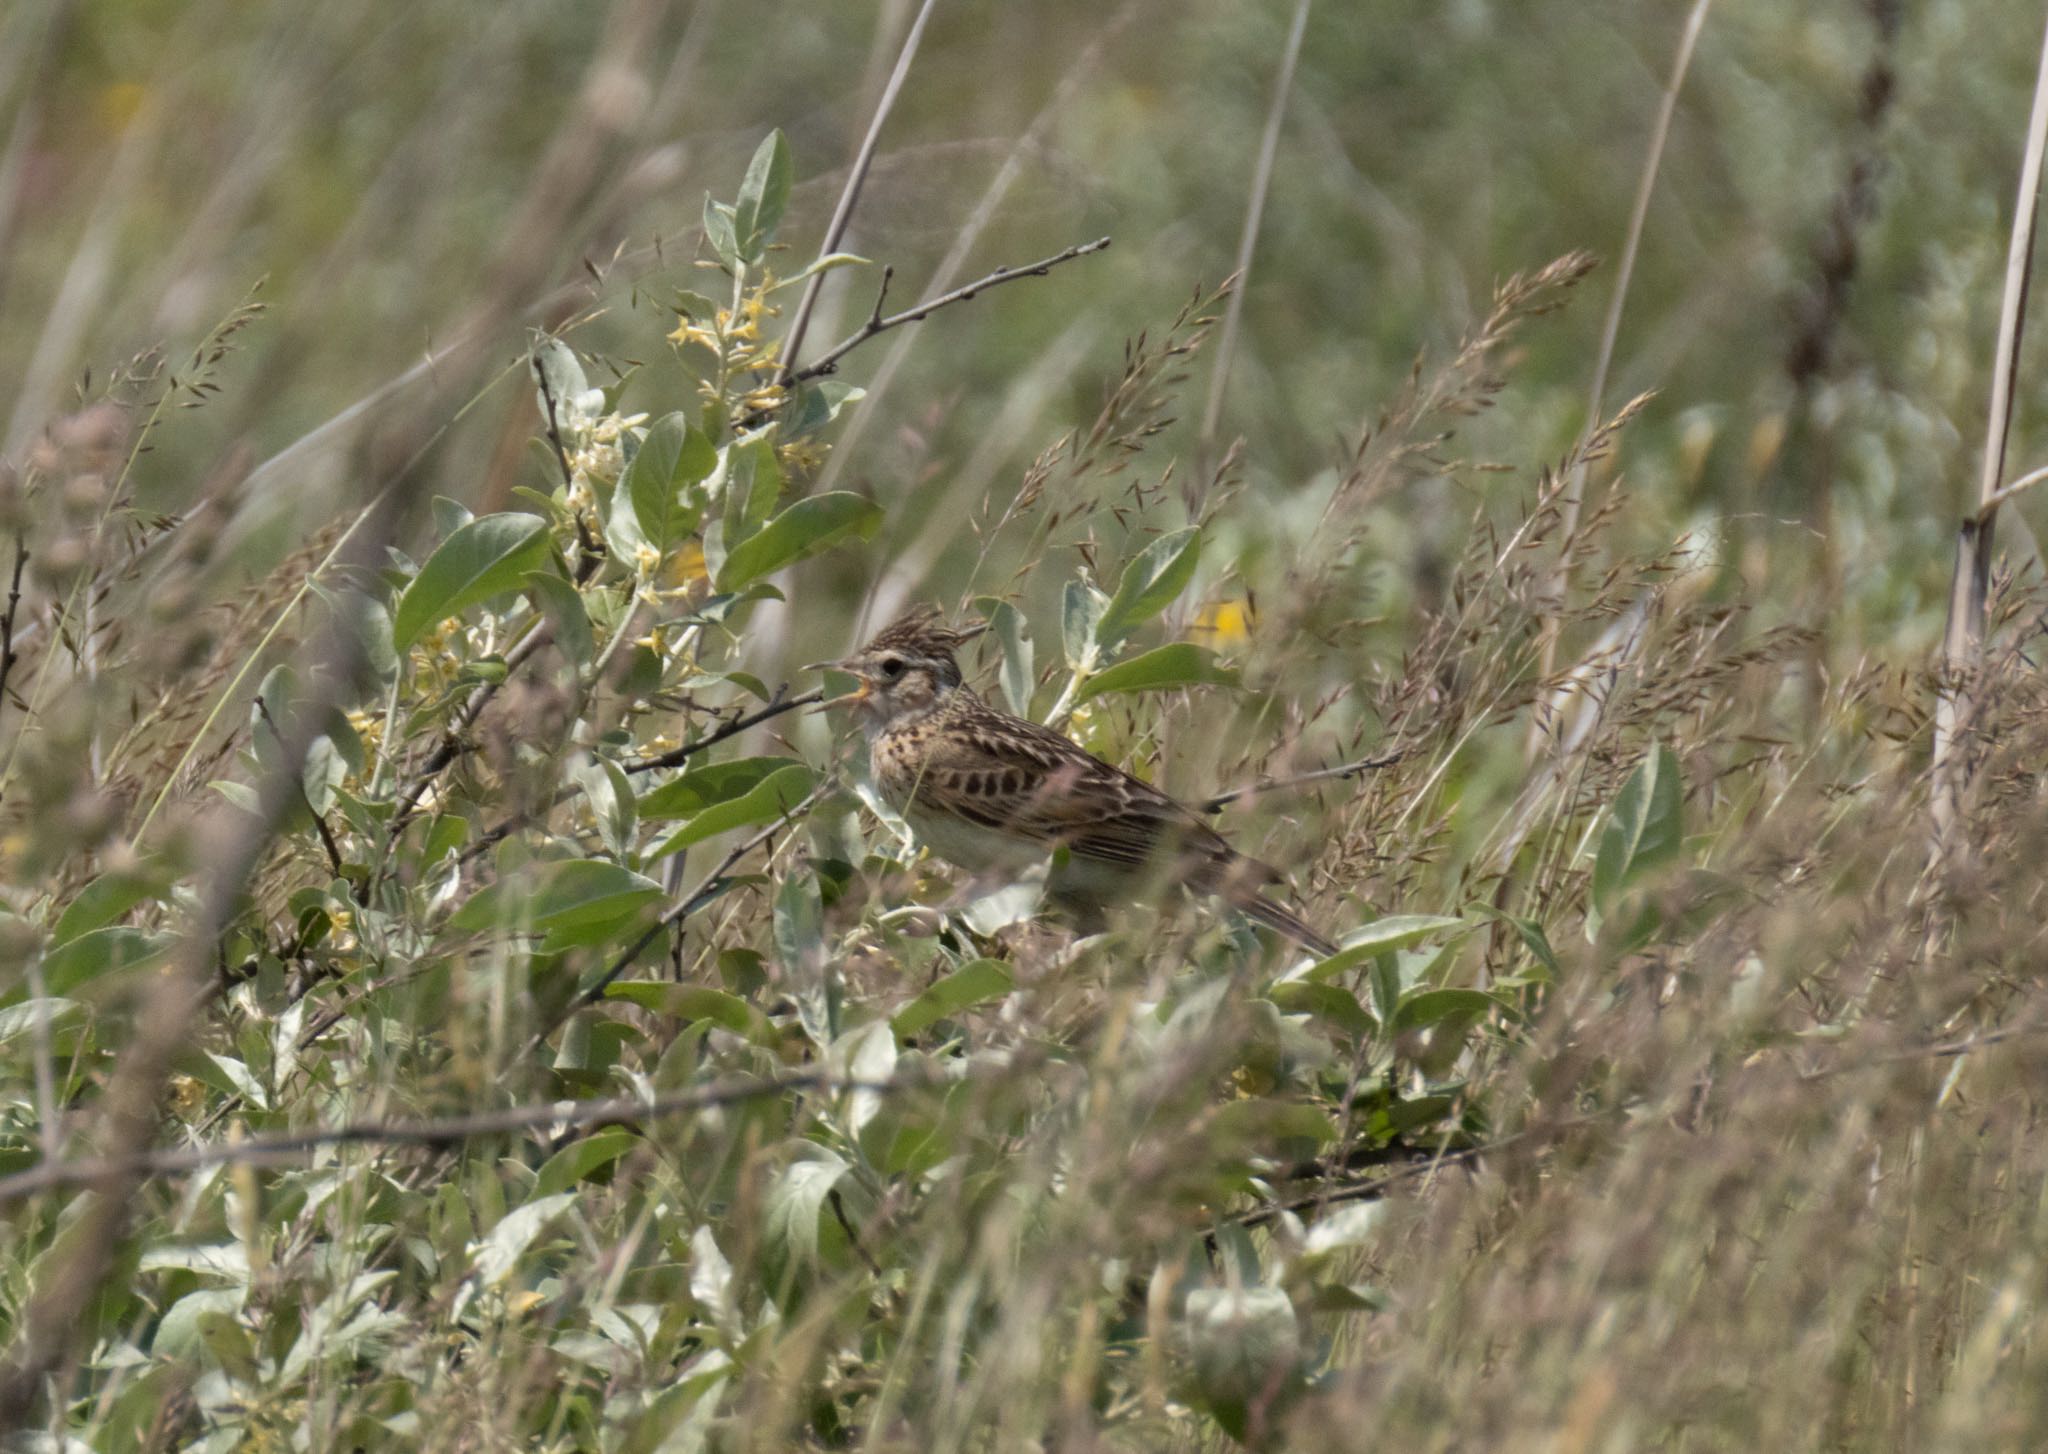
1669,1091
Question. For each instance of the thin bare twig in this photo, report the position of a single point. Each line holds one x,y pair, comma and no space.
1962,638
290,1146
842,215
876,323
2006,492
675,756
1364,765
1638,218
1255,210
1574,492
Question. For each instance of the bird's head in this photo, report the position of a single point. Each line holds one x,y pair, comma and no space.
905,671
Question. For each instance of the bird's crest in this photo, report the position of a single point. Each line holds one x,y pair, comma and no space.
921,631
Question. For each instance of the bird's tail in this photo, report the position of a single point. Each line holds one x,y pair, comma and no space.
1280,921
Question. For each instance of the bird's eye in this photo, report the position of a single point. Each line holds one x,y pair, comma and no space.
892,667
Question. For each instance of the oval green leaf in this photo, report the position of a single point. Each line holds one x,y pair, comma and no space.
696,1002
580,1159
708,785
478,561
1396,931
1149,584
801,531
973,983
572,894
1162,668
674,456
773,796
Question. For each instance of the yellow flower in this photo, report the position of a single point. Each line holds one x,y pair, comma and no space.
685,566
801,457
1224,623
762,400
689,331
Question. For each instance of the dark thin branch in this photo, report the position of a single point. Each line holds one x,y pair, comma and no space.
828,362
708,888
1272,785
842,214
326,837
452,744
289,1146
675,756
852,1235
1422,1164
554,432
8,655
1378,1186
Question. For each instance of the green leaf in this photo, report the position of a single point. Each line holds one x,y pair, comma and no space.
696,1002
763,194
1149,585
718,231
100,952
773,796
499,1254
1533,939
1245,1355
1396,931
612,805
799,920
483,558
1644,831
804,529
1262,1121
1010,628
101,902
579,1159
573,895
694,305
973,983
816,404
674,456
559,378
794,1204
713,783
17,1020
1081,606
1329,1003
1423,1008
563,605
1178,665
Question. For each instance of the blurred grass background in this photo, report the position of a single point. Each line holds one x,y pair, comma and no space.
1844,1252
366,162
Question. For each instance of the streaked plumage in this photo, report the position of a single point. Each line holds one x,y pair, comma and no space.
993,793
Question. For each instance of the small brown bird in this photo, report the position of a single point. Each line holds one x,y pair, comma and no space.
995,793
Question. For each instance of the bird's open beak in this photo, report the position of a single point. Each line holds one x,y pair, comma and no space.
859,694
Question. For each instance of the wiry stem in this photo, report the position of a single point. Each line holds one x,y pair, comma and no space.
842,215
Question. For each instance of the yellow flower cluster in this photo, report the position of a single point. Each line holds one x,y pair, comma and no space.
744,380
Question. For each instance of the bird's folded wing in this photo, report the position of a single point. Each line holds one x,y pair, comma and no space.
1040,785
